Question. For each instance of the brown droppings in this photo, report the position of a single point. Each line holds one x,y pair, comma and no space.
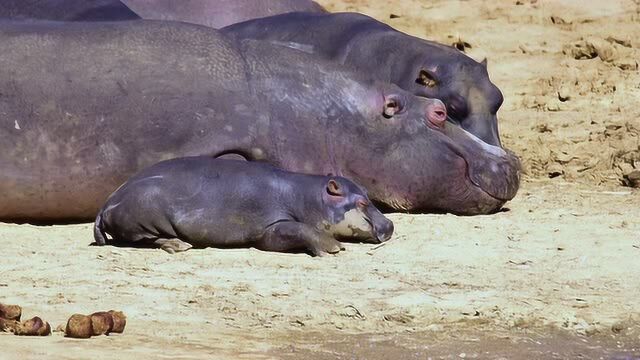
79,326
10,312
8,325
33,327
101,323
119,321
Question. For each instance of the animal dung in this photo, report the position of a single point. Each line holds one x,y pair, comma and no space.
8,325
33,327
119,321
79,326
99,323
10,312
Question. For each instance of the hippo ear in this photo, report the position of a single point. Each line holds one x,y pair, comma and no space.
484,63
333,188
392,105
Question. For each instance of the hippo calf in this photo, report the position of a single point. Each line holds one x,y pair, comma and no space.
201,201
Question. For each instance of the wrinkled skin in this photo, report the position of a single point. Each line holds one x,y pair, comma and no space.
86,105
66,10
205,202
422,67
217,13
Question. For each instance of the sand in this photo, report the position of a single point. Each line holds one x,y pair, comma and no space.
556,273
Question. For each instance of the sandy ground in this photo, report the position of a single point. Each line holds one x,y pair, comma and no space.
555,275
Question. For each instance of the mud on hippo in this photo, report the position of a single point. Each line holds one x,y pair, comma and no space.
86,105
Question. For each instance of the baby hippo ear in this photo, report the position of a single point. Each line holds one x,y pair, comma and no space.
333,188
392,105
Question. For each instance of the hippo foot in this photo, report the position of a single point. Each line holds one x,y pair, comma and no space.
326,245
173,246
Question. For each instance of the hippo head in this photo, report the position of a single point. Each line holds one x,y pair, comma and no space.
417,161
351,214
463,84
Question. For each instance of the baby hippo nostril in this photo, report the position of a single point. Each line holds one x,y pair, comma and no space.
437,113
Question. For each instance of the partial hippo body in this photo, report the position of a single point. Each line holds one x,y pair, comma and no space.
217,13
212,13
205,202
86,105
422,67
66,10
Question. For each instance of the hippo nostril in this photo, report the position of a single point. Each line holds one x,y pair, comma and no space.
437,114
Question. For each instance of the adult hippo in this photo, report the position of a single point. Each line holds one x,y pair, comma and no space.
217,13
66,10
422,67
86,105
212,13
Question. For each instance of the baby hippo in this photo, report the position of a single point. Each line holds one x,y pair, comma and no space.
200,201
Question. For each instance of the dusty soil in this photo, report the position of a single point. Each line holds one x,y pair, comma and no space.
555,275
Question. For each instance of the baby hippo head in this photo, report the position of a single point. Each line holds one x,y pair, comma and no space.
350,213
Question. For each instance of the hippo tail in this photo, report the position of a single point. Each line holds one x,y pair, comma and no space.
99,234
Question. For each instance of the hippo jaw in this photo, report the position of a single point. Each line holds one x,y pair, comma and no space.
461,174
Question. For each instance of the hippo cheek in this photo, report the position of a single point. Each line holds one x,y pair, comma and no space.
353,225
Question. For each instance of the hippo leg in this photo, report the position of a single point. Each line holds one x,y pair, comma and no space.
290,235
172,246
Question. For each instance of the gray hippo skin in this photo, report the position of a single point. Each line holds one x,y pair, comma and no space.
217,13
86,105
66,10
205,202
422,67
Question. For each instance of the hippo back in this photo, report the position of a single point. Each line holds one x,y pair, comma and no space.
217,13
66,10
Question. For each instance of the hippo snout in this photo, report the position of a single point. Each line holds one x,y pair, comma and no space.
437,113
384,230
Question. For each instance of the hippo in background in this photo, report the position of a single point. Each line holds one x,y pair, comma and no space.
204,202
217,13
87,105
66,10
212,13
422,67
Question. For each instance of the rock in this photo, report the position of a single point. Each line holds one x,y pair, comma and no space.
580,50
618,327
555,170
564,94
632,179
625,43
627,64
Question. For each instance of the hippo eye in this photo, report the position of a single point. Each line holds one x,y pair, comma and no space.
427,79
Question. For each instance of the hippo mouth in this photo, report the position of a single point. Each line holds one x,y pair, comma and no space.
503,189
491,169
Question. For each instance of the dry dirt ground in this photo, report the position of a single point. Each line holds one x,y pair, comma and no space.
555,275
